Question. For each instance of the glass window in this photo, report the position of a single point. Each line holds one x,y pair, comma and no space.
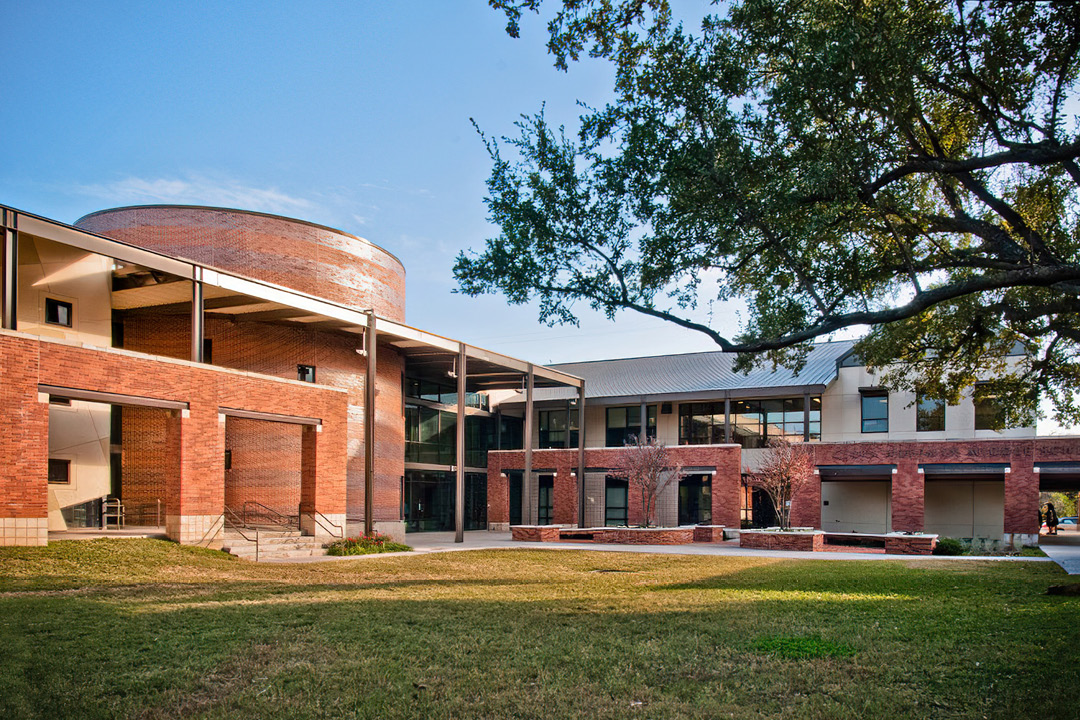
625,422
875,413
546,500
58,312
305,373
988,413
553,428
929,414
753,422
701,423
510,435
59,472
616,502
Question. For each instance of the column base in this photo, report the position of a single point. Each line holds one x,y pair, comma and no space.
33,532
324,525
204,530
1019,540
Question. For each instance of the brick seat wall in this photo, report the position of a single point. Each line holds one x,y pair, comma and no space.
534,533
910,544
803,541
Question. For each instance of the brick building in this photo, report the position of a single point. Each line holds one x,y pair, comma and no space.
885,462
203,368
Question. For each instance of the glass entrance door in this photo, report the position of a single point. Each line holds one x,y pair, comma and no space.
695,500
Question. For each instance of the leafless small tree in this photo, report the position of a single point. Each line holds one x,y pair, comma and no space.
785,470
648,466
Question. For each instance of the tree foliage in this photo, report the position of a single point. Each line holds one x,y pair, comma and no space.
648,466
785,469
907,165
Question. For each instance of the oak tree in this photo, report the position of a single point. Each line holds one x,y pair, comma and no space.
905,165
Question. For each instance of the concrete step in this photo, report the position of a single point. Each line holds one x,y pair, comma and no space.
273,545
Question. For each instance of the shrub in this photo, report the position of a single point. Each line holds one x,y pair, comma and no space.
949,546
365,545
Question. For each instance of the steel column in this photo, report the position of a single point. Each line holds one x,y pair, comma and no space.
531,509
9,281
727,419
806,417
581,455
198,320
459,480
370,342
643,432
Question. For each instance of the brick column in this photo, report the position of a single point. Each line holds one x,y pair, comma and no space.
806,505
908,496
322,479
727,488
24,447
1021,501
197,502
498,497
565,511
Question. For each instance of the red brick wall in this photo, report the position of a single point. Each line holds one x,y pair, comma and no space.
806,542
265,465
302,256
726,484
276,349
914,545
149,458
1021,484
24,432
650,536
199,490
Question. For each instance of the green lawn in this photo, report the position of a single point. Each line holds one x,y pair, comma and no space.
147,629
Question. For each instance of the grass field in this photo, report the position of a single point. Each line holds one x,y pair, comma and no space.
148,629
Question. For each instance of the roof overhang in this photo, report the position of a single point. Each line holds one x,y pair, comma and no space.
232,295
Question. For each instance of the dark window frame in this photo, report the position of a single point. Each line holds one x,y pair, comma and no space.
929,420
619,435
53,315
616,515
874,395
302,371
58,463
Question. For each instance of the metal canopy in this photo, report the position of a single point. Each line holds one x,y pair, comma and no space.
149,282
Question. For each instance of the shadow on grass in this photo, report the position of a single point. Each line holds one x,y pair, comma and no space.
279,652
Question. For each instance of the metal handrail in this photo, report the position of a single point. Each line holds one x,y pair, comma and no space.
274,516
240,530
315,515
209,535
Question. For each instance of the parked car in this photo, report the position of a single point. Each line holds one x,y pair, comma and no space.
1070,521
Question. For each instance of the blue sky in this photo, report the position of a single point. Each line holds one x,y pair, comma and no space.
350,114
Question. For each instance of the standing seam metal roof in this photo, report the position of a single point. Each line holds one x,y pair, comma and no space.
697,372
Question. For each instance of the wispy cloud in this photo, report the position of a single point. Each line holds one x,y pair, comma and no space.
197,190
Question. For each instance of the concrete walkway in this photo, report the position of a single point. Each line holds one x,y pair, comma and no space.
1064,549
484,540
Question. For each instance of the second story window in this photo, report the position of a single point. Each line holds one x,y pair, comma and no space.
306,373
625,422
556,430
929,414
988,413
58,312
875,411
